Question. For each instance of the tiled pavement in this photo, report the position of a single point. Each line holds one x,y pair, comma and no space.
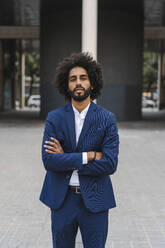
139,184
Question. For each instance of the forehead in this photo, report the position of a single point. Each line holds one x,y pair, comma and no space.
77,71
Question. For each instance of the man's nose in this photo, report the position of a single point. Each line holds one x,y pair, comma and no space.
78,82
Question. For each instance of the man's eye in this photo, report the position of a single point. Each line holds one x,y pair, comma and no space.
84,78
72,79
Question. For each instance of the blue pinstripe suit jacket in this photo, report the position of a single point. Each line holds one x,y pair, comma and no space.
99,133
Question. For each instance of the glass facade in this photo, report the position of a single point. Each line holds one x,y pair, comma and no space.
19,13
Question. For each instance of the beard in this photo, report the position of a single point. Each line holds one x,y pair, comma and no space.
79,97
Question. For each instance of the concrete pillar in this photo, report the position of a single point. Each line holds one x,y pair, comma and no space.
1,75
120,50
89,26
22,68
60,35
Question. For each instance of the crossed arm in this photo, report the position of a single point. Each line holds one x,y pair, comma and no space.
105,163
54,147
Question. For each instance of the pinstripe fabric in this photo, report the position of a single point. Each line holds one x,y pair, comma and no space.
99,133
73,214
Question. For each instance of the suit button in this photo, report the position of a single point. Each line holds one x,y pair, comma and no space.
67,176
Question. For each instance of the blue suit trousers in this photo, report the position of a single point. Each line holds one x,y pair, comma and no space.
73,214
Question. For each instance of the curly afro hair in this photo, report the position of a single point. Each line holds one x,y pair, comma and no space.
84,60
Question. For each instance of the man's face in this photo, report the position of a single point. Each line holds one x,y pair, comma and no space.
79,86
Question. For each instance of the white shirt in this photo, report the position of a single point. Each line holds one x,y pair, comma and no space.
79,121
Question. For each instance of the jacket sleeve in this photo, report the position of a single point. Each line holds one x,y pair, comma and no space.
60,161
107,165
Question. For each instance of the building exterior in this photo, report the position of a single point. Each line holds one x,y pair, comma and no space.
113,31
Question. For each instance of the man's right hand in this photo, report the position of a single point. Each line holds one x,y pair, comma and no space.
90,155
53,146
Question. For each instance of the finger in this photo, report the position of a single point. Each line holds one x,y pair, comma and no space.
52,138
49,151
50,147
50,143
55,140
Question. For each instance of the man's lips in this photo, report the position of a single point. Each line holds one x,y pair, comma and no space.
79,90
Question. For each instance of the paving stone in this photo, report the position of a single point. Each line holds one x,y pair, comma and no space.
137,222
140,245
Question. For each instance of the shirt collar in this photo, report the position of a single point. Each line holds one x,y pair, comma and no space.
83,113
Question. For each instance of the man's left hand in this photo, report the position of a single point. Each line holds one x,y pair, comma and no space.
53,146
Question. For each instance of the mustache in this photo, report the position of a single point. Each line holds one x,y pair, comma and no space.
79,87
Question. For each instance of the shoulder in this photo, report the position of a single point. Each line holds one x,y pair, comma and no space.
59,112
105,113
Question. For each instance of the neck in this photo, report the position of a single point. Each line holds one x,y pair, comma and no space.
80,106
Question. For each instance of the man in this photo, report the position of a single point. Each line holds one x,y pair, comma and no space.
79,152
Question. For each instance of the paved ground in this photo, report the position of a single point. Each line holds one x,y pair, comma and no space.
139,184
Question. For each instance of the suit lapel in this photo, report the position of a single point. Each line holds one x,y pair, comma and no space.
87,122
70,119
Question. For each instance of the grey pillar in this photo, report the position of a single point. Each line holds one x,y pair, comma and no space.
60,36
89,26
120,47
